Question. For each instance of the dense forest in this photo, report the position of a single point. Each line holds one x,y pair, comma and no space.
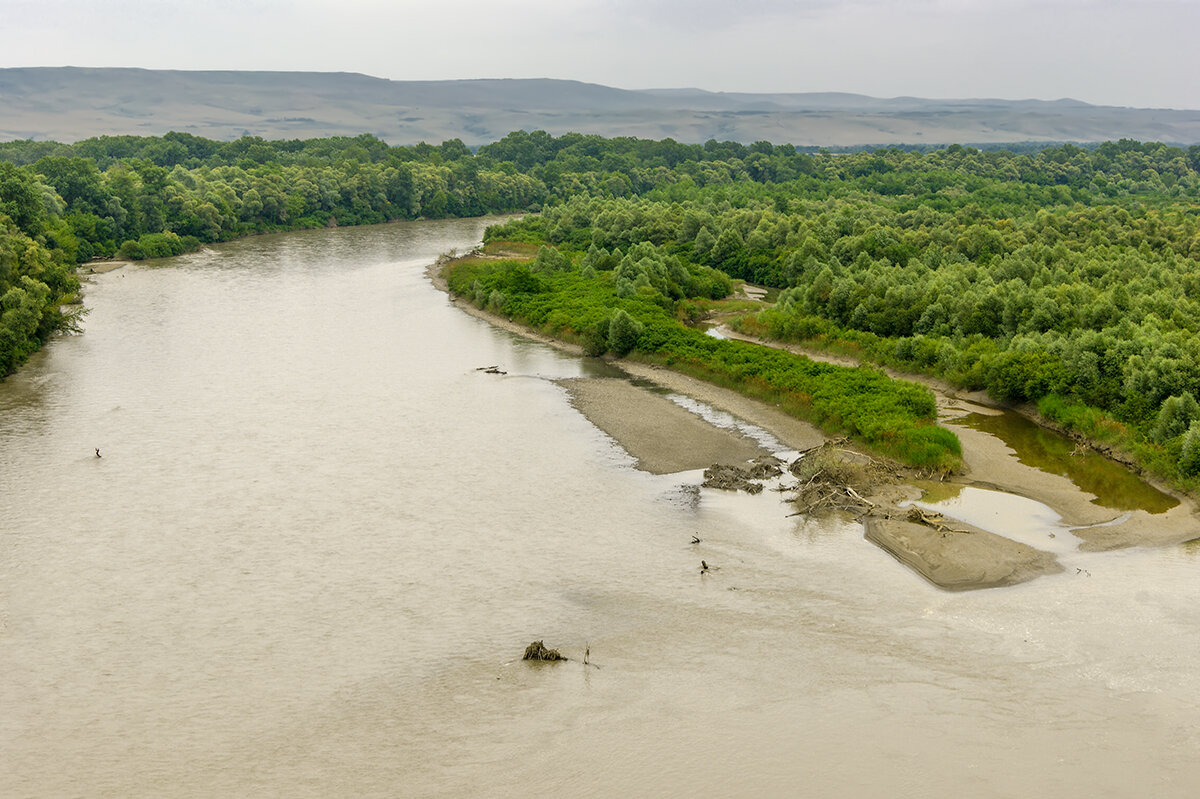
1067,276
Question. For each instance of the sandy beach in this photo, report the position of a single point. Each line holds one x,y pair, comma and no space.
665,438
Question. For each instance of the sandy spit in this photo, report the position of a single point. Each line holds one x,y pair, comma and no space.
990,463
964,560
664,437
628,412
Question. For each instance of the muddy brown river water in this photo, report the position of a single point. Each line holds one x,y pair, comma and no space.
318,541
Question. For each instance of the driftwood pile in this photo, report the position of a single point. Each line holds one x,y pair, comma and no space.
538,651
830,478
930,519
730,478
733,478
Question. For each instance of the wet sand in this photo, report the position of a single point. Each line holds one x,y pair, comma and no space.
665,438
793,432
966,559
992,464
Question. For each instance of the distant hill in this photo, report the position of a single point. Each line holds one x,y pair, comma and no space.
71,103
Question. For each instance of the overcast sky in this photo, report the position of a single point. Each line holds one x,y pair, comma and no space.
1113,52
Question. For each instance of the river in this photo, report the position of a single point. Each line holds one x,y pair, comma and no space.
318,540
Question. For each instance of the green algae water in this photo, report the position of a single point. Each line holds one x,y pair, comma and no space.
319,540
1113,485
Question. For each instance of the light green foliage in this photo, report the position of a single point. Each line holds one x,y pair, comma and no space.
1189,453
599,258
549,259
1175,417
728,245
623,332
703,243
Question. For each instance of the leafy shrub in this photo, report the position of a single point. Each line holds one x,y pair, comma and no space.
595,339
550,259
131,251
1175,417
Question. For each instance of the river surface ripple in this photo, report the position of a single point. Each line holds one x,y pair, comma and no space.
318,541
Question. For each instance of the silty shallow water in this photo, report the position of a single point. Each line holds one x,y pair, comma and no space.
318,541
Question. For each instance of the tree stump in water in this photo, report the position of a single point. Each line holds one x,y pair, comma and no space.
538,651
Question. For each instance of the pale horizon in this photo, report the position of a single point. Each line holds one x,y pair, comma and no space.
654,88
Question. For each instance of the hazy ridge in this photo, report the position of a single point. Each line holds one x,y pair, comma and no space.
71,103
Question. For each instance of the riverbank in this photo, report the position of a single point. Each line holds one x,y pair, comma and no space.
101,267
990,463
662,436
651,429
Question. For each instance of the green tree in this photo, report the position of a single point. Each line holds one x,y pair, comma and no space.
21,200
1175,417
703,244
1189,453
623,332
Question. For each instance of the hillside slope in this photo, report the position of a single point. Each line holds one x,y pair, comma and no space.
71,103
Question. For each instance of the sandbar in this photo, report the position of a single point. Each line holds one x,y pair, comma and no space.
662,436
966,559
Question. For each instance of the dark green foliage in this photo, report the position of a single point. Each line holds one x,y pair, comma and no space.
21,200
35,282
117,189
595,338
